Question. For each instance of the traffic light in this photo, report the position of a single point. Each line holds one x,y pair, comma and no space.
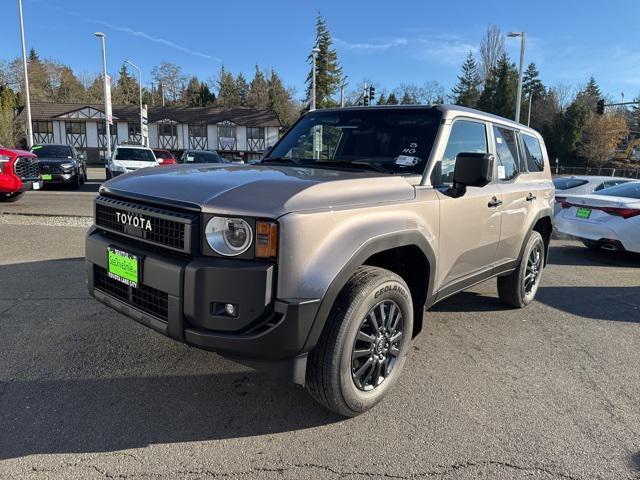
600,107
372,94
365,98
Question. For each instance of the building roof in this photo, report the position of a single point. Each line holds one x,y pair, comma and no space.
131,113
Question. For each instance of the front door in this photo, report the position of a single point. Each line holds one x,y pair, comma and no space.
470,224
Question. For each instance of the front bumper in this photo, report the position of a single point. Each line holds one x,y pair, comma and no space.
180,297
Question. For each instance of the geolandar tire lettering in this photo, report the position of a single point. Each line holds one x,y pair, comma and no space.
365,342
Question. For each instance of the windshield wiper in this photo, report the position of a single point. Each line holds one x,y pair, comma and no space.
279,160
358,164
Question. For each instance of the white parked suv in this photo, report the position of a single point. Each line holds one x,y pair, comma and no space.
128,158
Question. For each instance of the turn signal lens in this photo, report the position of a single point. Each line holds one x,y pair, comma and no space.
266,240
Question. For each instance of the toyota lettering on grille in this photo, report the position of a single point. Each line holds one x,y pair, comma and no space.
134,221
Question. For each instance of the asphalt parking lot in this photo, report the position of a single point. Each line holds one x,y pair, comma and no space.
548,392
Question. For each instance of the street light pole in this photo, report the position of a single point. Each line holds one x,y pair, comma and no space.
342,87
107,130
26,80
140,90
522,36
529,114
314,54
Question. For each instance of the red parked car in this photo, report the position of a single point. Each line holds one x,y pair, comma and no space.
19,172
165,157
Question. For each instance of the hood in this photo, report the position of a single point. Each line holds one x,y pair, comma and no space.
257,190
55,160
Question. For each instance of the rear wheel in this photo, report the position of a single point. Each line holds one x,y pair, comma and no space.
365,343
10,197
519,288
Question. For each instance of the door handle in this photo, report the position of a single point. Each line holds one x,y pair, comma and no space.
494,202
531,197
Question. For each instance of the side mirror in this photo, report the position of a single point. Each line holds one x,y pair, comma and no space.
80,157
471,170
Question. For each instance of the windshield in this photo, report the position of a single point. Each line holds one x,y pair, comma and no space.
389,141
135,155
629,190
52,151
202,157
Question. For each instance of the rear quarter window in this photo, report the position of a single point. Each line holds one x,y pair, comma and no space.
628,190
532,153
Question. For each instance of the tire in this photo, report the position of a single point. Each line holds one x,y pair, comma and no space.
108,175
83,177
11,197
75,181
331,368
512,288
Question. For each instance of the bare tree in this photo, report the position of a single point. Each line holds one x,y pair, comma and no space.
563,95
172,80
491,49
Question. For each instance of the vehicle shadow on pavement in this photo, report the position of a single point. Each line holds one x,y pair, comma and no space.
77,377
108,414
582,256
616,304
89,186
470,302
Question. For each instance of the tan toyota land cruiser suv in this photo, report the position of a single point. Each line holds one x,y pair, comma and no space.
317,263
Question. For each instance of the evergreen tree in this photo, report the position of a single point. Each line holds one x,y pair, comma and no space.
191,96
258,96
126,90
467,91
531,83
243,89
8,130
382,99
392,99
589,95
95,92
328,71
499,93
70,89
228,94
280,101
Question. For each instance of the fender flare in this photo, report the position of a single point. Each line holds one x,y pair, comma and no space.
371,247
543,213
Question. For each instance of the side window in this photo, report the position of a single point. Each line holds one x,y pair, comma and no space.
507,152
532,153
466,136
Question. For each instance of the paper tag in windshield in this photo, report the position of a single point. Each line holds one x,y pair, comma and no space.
502,173
407,161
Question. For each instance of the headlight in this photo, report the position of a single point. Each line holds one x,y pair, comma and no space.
228,236
118,168
3,159
66,166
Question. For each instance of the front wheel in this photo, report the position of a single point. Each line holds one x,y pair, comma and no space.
364,344
518,289
11,197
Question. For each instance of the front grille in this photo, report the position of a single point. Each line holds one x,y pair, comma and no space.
47,168
169,229
148,299
27,167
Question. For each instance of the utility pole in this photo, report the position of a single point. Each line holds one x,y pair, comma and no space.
519,95
314,54
140,91
342,87
107,95
26,80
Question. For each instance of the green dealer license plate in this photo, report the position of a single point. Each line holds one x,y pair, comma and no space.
46,176
583,213
123,267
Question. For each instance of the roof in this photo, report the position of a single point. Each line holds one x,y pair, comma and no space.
447,111
194,115
593,178
16,152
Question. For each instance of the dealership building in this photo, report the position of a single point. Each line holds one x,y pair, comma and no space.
236,133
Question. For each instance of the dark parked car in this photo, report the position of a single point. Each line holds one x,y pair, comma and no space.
61,164
201,156
164,157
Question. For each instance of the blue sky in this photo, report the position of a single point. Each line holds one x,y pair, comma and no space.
409,41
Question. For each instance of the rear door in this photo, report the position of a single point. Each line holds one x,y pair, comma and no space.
519,192
470,224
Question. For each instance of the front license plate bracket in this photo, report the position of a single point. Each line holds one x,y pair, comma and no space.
123,266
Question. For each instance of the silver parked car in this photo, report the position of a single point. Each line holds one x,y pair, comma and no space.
318,262
583,185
